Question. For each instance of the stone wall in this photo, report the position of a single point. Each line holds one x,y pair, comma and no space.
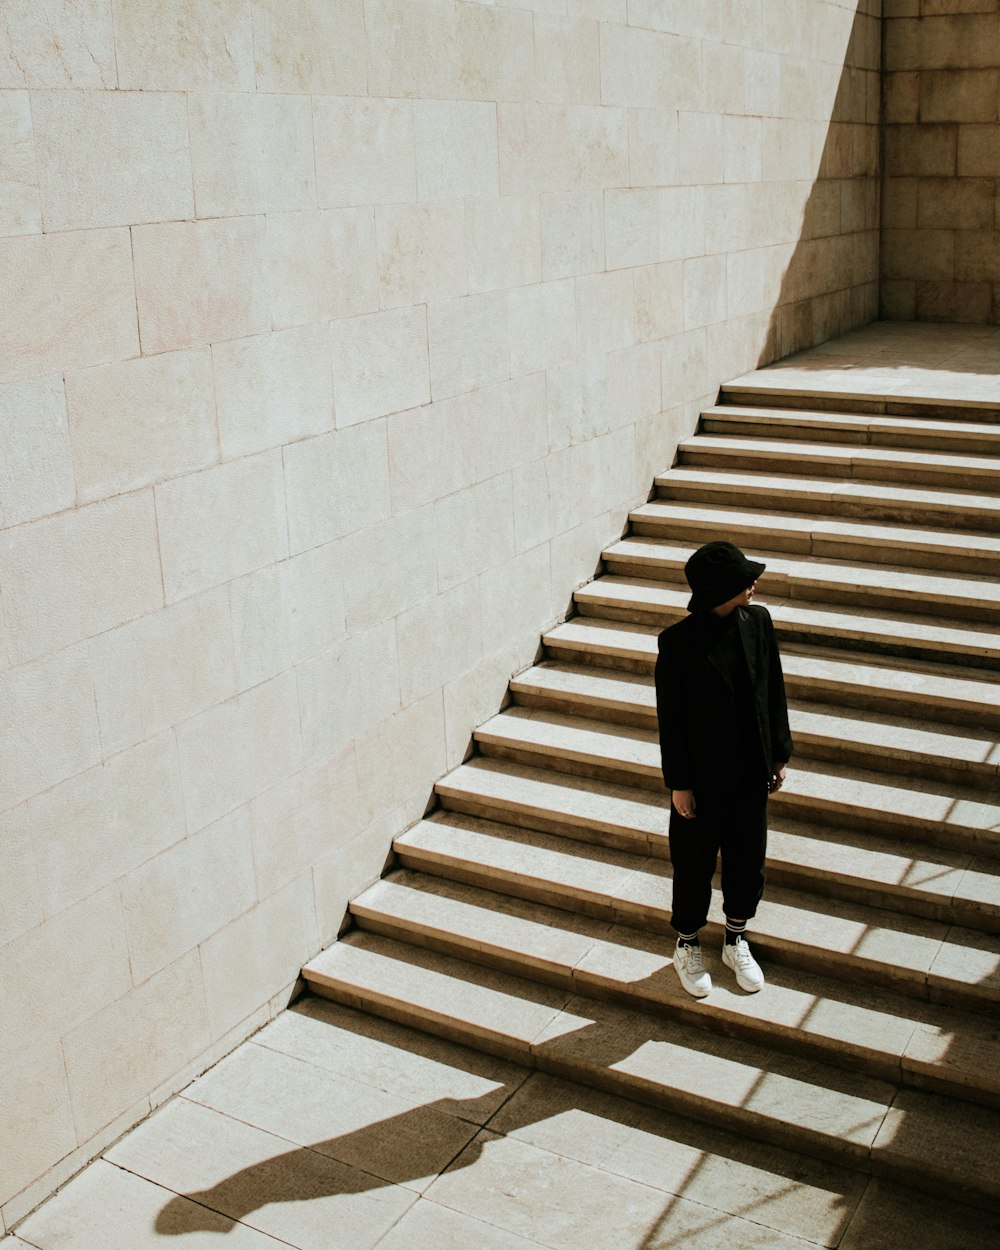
336,338
941,198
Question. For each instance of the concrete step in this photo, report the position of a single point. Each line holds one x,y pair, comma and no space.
838,1021
841,858
632,886
872,740
942,815
883,631
928,434
813,579
785,393
803,533
943,470
907,687
911,1134
802,490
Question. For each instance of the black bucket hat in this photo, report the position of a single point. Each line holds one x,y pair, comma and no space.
717,573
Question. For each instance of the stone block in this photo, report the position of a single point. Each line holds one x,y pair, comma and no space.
918,254
659,301
900,201
516,599
561,148
682,222
141,421
200,281
181,897
310,47
456,149
251,153
69,301
687,372
86,964
298,821
414,740
412,48
74,575
742,151
48,726
705,292
745,282
954,301
236,750
977,256
23,902
438,641
652,147
956,203
185,45
962,41
474,531
36,465
432,453
267,943
978,152
347,690
643,68
421,253
928,151
495,50
95,827
58,43
273,389
389,568
898,300
542,326
135,1044
723,81
336,484
701,148
605,313
532,520
38,1122
727,218
221,523
380,364
504,242
632,227
112,158
161,669
20,199
762,82
572,234
365,152
509,425
469,343
567,60
959,95
321,265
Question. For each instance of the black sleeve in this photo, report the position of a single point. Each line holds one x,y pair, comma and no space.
671,719
777,704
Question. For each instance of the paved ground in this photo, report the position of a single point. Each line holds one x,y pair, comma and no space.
332,1130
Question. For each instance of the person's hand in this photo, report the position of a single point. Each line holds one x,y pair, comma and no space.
683,801
778,780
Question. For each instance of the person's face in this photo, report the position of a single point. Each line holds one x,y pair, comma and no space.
738,601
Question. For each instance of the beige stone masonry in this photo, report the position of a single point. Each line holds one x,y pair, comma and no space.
337,340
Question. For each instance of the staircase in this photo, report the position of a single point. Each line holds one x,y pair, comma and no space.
528,914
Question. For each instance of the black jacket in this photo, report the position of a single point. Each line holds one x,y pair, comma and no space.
696,701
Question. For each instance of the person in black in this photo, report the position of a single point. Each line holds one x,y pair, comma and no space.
724,744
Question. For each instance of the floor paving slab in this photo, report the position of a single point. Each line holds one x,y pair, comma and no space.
115,1209
413,1066
406,1141
891,1217
431,1226
254,1178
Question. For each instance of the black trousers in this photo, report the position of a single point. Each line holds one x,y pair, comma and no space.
733,824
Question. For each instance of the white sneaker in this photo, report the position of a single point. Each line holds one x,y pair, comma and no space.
691,970
736,955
